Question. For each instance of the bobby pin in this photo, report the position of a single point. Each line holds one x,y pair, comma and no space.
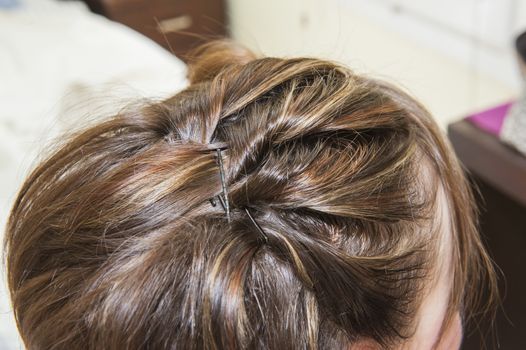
224,201
223,197
263,234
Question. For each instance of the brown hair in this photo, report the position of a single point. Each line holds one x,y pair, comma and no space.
113,243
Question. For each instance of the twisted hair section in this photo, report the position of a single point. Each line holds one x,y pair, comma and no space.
113,243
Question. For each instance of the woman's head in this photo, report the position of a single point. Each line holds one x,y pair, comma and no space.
370,229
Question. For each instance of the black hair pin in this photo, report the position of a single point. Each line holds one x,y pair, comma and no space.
263,234
223,198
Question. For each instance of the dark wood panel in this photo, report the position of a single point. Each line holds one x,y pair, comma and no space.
177,25
498,174
493,161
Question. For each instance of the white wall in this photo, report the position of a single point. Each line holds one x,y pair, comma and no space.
436,65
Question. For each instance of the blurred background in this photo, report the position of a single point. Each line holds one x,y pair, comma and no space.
63,63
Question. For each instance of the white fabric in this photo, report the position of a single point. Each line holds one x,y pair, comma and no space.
59,65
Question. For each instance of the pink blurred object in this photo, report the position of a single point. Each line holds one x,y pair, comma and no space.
491,120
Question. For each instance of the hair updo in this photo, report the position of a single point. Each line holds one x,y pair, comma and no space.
113,243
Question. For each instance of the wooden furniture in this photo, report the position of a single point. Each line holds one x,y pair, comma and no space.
177,25
499,172
487,157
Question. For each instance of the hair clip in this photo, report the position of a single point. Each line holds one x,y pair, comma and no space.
223,197
263,234
224,201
